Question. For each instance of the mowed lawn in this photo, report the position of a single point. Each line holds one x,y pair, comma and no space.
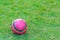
42,18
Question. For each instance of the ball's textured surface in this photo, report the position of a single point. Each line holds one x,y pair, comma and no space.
19,26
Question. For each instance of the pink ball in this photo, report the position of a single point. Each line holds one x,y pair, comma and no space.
19,26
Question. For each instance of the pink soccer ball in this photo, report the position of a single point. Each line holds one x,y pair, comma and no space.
19,26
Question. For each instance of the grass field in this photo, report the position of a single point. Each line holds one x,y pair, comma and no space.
42,17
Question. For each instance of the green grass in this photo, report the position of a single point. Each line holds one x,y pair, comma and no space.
42,17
